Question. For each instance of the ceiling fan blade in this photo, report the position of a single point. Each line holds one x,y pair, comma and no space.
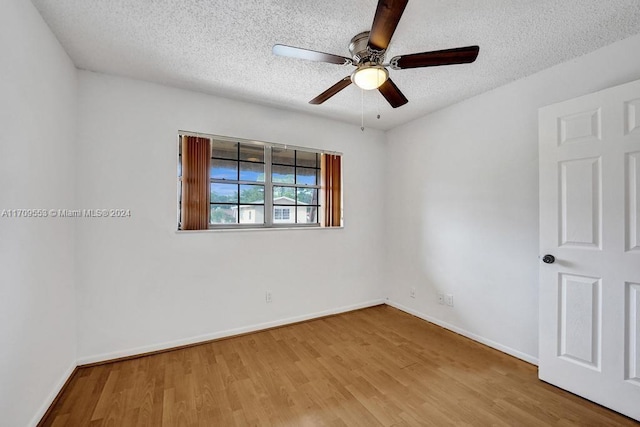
385,21
392,94
331,91
460,55
310,55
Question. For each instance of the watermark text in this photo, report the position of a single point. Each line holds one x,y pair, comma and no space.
65,213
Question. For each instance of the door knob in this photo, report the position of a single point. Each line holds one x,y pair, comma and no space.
548,259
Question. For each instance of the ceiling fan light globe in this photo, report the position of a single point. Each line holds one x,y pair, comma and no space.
370,77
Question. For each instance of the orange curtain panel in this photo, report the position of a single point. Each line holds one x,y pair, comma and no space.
332,183
196,158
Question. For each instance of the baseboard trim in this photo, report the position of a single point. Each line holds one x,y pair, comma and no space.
503,348
53,397
133,353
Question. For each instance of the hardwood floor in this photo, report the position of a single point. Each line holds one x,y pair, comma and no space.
377,366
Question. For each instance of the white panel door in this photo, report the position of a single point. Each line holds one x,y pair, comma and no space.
590,222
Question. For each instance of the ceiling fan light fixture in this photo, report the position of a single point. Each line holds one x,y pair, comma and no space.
369,77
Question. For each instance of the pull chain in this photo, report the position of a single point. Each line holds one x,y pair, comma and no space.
362,110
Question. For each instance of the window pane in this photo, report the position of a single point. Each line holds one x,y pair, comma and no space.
251,153
284,195
252,194
307,196
306,176
224,149
224,169
223,214
282,156
307,215
224,193
284,214
305,158
283,174
251,214
251,172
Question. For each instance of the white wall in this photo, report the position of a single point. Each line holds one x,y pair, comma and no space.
462,211
37,306
143,286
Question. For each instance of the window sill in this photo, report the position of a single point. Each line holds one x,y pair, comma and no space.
244,230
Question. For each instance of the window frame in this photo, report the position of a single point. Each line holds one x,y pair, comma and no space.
237,182
269,207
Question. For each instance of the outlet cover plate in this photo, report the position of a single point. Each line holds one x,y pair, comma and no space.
448,299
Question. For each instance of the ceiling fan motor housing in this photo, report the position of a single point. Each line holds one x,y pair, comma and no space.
361,53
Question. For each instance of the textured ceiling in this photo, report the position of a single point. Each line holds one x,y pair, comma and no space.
223,47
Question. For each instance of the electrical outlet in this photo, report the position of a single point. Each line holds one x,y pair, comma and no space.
412,292
267,296
449,300
440,298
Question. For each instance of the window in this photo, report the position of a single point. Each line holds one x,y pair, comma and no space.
233,183
237,180
281,214
295,176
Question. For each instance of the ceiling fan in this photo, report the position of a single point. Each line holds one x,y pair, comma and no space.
367,55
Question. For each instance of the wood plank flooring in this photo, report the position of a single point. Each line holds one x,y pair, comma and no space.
372,367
